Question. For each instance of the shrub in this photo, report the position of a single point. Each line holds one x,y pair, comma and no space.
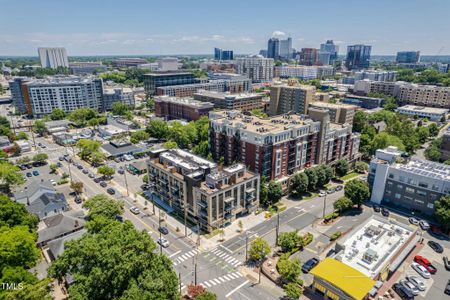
307,239
335,235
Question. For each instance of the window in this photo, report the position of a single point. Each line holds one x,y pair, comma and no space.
391,176
409,190
430,205
423,184
421,193
398,196
399,186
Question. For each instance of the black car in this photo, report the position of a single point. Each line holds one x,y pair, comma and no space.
446,263
80,167
376,208
85,171
22,167
339,187
29,174
29,166
309,264
163,230
111,191
144,187
447,288
103,184
97,180
331,253
436,246
61,158
385,212
402,292
119,218
78,200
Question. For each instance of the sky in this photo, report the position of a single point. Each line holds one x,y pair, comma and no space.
155,27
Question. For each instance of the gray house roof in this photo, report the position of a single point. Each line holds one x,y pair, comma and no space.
59,225
56,247
42,199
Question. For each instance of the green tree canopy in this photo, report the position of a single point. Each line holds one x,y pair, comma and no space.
341,168
289,269
288,241
18,247
15,214
102,205
442,212
274,192
158,129
10,175
57,114
259,249
39,127
139,136
120,109
293,290
312,178
106,171
357,191
361,167
342,204
87,148
40,157
299,183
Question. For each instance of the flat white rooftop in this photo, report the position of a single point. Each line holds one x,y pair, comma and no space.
422,109
371,245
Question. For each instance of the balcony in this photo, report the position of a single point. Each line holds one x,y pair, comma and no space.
249,190
202,204
228,216
203,213
229,199
250,198
250,205
228,208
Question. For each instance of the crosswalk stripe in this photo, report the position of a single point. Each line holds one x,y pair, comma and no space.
221,254
228,277
207,284
235,275
221,279
215,281
215,251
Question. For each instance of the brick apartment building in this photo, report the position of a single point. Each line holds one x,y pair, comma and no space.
181,108
244,102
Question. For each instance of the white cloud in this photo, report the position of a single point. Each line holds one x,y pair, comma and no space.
278,33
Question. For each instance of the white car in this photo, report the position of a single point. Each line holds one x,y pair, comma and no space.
128,157
53,182
322,194
163,242
413,221
424,225
421,270
135,210
410,287
417,282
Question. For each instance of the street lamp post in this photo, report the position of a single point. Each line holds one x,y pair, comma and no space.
324,204
125,177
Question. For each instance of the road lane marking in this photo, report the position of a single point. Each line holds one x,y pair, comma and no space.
237,288
173,254
226,249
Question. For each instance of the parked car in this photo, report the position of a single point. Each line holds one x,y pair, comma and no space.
309,264
417,282
91,175
144,187
128,157
410,287
117,160
36,173
331,191
29,174
111,191
78,199
29,166
97,180
376,208
402,292
163,242
22,167
103,184
61,158
80,167
119,218
339,187
322,194
135,210
59,164
39,144
413,221
421,270
53,182
385,211
447,288
424,225
331,252
121,170
163,230
85,171
425,263
446,263
43,146
436,246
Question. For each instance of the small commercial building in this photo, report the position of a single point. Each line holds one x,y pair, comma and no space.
23,145
57,126
137,167
109,131
64,138
431,113
119,148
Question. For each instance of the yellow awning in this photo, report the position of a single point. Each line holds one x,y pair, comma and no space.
347,279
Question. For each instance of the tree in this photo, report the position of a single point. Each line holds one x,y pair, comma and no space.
289,269
259,249
97,158
102,205
120,109
207,295
93,122
10,175
18,247
195,290
39,290
87,148
145,178
15,214
53,168
288,241
274,192
422,133
357,191
433,129
201,149
139,136
22,136
292,290
120,259
57,114
442,212
361,167
39,127
158,129
240,225
107,171
82,115
341,168
342,204
300,183
77,186
263,191
359,121
383,140
170,145
40,157
324,175
312,178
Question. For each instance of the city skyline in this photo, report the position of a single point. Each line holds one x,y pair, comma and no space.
155,28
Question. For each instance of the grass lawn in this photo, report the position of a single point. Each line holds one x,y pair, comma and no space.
310,196
350,176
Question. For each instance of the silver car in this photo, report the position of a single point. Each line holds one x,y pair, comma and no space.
421,270
424,225
163,242
410,287
417,282
135,210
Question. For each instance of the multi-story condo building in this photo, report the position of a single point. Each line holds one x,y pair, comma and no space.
303,72
53,57
197,190
358,57
323,58
375,75
413,184
181,108
129,62
117,94
220,54
325,71
408,57
339,113
309,56
290,98
86,67
363,102
256,67
332,49
167,64
243,102
236,85
364,87
279,146
39,97
15,86
152,81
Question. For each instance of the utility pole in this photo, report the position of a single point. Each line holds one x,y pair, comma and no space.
68,165
324,204
278,227
185,219
179,280
126,182
246,246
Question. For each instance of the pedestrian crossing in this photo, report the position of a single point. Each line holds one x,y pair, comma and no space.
185,256
226,257
222,279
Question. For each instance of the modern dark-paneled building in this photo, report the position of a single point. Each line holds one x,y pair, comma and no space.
407,57
160,79
220,54
358,57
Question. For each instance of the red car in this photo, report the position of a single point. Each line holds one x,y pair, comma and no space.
425,263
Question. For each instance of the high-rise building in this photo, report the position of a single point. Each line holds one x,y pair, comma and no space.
323,58
198,190
408,57
168,64
332,49
309,56
279,49
242,101
53,57
160,79
117,94
40,97
273,48
220,54
256,67
339,113
286,98
358,57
